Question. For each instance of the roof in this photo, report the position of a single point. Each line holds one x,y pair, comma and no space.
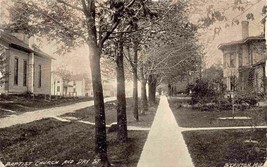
14,42
243,41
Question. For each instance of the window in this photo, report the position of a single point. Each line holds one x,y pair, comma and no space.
232,60
25,73
224,60
40,76
58,88
16,71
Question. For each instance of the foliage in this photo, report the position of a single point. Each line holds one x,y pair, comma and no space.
63,73
212,11
68,21
214,75
202,92
208,91
171,47
248,98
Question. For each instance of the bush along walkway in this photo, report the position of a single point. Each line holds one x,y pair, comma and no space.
165,146
45,113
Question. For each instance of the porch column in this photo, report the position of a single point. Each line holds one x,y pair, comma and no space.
31,73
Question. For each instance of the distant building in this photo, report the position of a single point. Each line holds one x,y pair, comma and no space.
57,85
75,86
244,62
28,68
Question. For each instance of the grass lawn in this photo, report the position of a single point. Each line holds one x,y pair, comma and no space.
188,117
145,120
52,140
23,103
218,148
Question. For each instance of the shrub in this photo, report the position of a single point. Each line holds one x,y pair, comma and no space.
202,92
250,99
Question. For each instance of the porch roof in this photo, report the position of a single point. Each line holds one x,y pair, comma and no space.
243,41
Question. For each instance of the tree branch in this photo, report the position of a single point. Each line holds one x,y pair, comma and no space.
54,20
109,33
130,4
69,5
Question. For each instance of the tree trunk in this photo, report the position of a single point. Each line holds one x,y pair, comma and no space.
135,84
144,97
151,89
95,50
100,124
154,91
121,107
172,91
143,92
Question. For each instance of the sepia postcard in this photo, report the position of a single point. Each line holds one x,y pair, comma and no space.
133,83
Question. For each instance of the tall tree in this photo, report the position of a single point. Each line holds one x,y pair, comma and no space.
143,90
121,108
172,49
141,20
125,29
75,23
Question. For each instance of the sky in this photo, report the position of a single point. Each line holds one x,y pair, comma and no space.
77,61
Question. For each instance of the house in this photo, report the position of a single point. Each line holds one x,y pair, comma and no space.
57,84
28,68
75,86
244,62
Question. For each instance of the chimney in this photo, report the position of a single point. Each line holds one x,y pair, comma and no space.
245,29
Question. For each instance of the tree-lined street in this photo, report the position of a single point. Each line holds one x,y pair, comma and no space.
207,57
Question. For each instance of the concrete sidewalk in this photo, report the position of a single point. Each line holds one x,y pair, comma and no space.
45,113
165,146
